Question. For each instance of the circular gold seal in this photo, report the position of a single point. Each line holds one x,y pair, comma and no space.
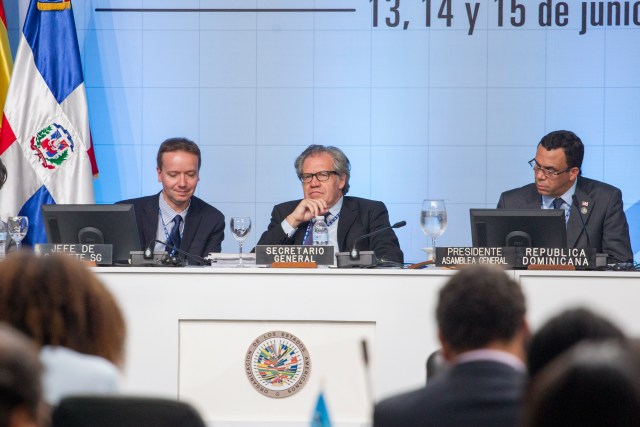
277,364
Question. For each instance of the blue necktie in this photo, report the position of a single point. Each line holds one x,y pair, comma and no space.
174,237
557,203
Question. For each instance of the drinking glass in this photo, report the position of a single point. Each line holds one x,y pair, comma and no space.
18,227
433,220
240,228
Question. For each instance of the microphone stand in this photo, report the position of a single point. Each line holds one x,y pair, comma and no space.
150,256
362,259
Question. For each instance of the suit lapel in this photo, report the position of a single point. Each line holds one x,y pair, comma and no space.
533,199
348,215
191,224
574,225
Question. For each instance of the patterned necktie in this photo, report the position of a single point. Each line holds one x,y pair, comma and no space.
557,203
174,237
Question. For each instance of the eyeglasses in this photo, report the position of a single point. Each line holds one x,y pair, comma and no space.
321,176
546,171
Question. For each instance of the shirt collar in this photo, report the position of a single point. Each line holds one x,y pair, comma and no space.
486,354
167,211
335,209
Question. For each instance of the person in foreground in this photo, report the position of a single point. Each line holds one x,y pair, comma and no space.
482,330
175,215
324,172
71,316
595,213
593,384
21,403
565,330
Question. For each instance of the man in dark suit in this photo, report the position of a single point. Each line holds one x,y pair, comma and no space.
596,217
175,215
482,330
324,173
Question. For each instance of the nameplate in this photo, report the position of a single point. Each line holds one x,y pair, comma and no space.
517,257
101,254
268,254
453,256
581,259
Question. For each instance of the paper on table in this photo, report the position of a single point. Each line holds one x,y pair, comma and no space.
231,258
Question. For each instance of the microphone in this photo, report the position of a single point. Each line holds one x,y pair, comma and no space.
367,371
172,260
584,225
357,258
354,251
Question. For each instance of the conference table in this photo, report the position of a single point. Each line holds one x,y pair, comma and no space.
368,331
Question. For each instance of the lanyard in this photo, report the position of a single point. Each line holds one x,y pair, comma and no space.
164,227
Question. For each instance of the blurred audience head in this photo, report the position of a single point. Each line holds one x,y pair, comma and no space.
479,307
21,403
593,384
57,301
563,331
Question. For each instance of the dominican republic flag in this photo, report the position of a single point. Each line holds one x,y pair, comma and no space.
45,141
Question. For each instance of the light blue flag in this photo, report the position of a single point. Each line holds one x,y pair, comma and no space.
321,414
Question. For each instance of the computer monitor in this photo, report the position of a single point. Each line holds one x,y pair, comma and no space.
109,224
541,228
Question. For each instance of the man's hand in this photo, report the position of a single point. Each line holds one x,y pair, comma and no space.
307,209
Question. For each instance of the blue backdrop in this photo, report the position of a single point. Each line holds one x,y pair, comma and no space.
451,110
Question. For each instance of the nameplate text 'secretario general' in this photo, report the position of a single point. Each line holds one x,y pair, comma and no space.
269,254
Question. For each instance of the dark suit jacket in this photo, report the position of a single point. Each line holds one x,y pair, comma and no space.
357,217
471,394
203,226
605,220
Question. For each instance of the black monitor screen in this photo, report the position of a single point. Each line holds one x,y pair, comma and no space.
541,228
109,224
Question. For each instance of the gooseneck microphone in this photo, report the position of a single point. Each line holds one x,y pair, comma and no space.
355,254
362,259
148,254
584,224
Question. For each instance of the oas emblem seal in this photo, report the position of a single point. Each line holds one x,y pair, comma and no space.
277,364
52,145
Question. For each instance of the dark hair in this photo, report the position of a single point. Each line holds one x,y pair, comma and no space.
570,144
341,163
3,173
563,331
178,144
478,305
58,301
591,385
20,376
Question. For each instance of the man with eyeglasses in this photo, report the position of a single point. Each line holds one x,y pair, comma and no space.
559,184
324,172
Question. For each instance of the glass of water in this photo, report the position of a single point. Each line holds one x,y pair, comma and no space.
18,227
3,239
240,228
433,220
